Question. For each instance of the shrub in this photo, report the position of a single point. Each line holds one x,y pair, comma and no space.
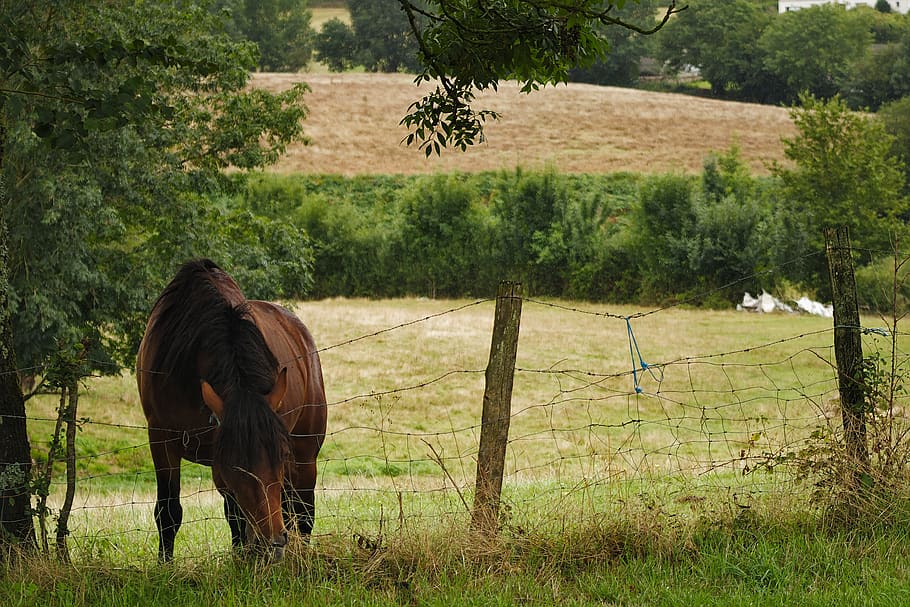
880,287
663,224
350,248
441,241
616,238
612,274
525,208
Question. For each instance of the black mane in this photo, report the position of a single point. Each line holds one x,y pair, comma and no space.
195,317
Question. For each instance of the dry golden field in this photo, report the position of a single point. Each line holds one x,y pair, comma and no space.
353,128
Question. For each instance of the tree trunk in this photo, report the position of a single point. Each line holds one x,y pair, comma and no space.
63,530
16,526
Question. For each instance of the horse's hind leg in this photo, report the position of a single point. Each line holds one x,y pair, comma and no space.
168,511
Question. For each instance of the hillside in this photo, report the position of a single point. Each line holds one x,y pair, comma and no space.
353,127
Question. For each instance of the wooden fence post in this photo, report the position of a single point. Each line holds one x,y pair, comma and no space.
848,346
497,407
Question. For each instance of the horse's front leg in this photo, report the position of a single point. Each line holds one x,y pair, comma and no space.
232,513
166,455
300,498
236,520
299,510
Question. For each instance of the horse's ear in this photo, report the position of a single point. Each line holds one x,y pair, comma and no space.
278,392
212,400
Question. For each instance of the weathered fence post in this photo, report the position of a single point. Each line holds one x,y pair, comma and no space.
497,406
848,346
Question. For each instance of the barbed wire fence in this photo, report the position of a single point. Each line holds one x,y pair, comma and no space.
582,435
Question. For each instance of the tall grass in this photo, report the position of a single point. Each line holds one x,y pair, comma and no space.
772,557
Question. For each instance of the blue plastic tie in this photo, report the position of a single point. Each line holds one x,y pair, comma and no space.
876,331
633,350
642,365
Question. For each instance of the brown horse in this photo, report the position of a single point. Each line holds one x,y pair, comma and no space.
236,385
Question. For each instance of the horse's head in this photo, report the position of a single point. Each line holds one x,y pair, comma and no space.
250,463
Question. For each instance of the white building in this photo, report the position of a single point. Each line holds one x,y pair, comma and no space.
900,6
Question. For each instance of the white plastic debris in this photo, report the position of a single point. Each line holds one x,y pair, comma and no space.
813,307
767,303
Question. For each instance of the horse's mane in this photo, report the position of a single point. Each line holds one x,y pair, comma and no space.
195,316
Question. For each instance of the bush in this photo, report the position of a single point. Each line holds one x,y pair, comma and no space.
525,208
663,224
442,247
612,274
723,248
616,238
271,259
351,247
876,290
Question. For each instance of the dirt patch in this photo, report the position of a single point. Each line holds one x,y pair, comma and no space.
353,128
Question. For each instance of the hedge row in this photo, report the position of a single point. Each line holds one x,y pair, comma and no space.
614,238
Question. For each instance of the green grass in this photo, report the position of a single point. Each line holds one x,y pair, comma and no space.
610,497
642,559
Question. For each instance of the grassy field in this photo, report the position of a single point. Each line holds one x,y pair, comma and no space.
399,389
353,129
758,562
611,497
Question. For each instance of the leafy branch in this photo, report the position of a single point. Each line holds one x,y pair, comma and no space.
468,47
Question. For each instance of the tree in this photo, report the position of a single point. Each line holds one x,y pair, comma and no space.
280,28
385,42
721,40
874,79
116,126
15,454
379,38
895,69
842,173
813,49
888,26
895,116
336,45
469,46
627,47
